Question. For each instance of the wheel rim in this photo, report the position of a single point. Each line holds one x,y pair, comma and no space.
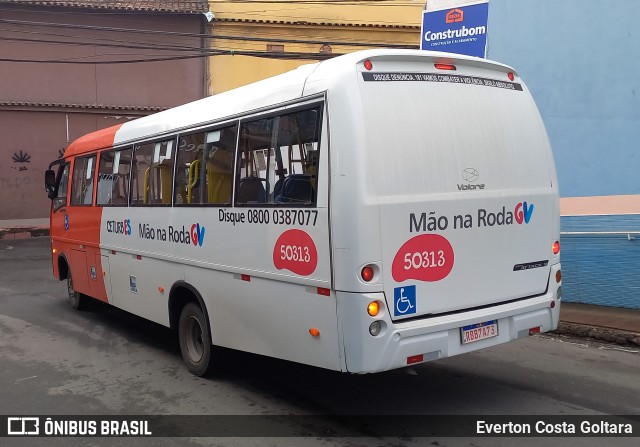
193,336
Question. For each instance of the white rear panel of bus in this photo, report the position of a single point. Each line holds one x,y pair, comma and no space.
452,171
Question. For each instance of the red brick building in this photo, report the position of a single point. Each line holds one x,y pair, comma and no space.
72,67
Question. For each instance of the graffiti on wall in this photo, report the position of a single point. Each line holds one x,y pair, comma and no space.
21,159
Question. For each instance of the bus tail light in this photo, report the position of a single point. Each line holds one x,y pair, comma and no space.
415,359
373,308
534,330
375,328
368,65
314,332
511,76
367,273
449,67
558,276
556,247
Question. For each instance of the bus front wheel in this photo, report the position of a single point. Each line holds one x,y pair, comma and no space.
195,340
75,297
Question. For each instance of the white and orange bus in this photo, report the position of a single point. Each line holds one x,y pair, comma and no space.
369,212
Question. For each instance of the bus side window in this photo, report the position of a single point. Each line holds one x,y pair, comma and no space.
277,159
152,173
218,155
63,184
190,169
113,178
82,182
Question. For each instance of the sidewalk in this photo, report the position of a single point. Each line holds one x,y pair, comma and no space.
23,228
610,324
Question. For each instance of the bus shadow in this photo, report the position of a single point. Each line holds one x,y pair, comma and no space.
447,386
129,326
441,387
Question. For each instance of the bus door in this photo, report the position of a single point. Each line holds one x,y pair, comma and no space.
59,193
81,230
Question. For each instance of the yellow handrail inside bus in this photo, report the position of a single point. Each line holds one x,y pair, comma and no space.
145,191
193,178
166,177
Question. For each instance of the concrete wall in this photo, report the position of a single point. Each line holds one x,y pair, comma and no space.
396,22
159,84
30,141
580,60
39,101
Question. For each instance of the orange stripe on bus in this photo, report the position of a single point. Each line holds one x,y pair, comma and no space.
95,140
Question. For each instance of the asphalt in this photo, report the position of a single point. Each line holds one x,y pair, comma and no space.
606,324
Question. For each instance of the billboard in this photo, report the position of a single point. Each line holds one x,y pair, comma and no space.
461,29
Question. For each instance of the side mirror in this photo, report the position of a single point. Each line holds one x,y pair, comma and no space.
50,183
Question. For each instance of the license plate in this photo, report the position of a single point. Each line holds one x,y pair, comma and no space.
479,331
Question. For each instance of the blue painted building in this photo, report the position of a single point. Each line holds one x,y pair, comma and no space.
581,61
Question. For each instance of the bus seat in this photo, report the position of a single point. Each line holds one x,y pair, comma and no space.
296,189
219,186
278,188
251,190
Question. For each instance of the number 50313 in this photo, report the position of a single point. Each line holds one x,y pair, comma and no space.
295,253
424,259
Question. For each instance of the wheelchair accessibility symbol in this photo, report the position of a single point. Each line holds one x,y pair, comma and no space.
404,300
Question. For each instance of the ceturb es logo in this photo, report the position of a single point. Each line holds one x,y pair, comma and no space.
119,227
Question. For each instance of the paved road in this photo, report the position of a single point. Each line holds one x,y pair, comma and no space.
54,360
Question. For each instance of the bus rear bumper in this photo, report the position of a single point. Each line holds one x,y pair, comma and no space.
402,344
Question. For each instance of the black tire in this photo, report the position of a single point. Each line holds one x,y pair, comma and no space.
76,299
195,341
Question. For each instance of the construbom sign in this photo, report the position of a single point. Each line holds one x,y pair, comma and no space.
456,29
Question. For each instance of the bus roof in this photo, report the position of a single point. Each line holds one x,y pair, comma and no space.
93,141
305,80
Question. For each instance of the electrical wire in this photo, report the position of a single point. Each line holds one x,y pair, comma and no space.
207,53
164,46
167,47
105,14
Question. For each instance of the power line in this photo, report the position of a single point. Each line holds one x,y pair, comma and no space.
181,34
324,2
95,44
207,53
214,36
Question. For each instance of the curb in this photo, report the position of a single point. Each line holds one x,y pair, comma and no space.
22,233
609,335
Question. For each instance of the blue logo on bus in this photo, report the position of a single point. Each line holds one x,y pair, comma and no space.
66,221
404,300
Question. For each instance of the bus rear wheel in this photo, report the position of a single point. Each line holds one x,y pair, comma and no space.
195,340
75,297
